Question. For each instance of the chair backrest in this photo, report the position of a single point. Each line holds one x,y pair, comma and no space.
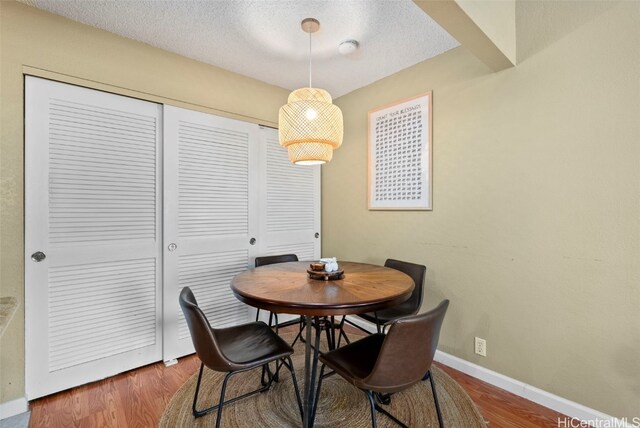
417,273
408,349
202,335
269,260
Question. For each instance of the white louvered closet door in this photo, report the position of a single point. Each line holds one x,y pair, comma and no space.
92,210
289,202
209,217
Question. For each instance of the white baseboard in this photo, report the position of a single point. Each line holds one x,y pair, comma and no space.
521,389
14,407
531,393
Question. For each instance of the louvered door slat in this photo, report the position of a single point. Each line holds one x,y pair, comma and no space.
290,192
83,122
224,181
304,251
92,201
208,276
68,318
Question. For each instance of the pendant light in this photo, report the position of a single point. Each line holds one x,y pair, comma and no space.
310,126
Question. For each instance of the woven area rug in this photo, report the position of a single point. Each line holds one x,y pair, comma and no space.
340,405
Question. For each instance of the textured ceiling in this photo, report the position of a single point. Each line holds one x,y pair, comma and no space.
263,39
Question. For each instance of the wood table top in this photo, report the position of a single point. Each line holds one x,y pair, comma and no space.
287,288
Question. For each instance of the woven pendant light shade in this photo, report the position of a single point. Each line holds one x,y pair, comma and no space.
310,126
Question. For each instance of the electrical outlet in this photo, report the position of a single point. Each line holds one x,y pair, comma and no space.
481,346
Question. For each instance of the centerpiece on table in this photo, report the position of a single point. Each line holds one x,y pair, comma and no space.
326,269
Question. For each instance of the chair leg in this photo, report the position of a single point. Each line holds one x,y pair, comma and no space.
195,397
435,398
382,398
264,371
257,314
342,333
315,405
302,327
328,327
372,406
389,415
224,388
289,364
299,335
275,317
333,332
377,322
270,377
198,413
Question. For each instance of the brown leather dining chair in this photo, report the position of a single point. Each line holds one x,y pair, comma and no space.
273,316
384,317
392,362
270,260
233,350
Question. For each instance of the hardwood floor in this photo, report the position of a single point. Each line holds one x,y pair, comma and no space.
501,408
137,399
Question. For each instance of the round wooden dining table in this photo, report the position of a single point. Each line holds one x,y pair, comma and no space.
287,288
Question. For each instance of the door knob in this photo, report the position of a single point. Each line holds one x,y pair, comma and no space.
172,247
252,241
38,256
317,235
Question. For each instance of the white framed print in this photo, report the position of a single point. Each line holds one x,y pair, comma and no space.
400,164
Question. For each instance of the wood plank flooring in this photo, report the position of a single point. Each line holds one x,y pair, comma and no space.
501,408
136,399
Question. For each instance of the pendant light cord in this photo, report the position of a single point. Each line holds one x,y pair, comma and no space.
310,60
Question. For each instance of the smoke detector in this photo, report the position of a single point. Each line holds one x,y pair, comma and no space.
348,47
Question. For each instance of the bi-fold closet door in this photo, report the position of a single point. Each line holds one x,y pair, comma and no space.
230,194
128,201
93,231
210,217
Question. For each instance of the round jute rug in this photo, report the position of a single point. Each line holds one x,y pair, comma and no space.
340,405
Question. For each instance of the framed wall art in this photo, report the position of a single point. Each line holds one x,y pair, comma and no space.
400,155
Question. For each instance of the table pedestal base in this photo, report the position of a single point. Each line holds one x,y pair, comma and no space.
310,370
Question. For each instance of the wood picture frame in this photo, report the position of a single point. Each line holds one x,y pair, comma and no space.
400,155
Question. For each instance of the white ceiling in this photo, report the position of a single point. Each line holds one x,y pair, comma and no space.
263,39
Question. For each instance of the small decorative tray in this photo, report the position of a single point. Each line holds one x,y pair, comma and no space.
325,276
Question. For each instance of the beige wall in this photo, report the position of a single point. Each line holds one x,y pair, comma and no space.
36,42
497,19
535,231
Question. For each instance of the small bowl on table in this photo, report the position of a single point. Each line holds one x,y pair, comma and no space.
317,267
